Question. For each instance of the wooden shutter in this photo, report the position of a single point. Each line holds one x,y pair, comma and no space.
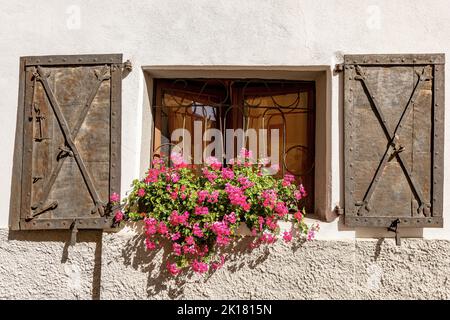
394,140
67,153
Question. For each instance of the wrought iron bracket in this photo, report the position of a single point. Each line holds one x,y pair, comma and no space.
394,228
127,67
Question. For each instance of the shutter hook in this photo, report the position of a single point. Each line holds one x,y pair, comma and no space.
73,234
394,228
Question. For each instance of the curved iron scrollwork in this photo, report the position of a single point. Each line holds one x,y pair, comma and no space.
221,103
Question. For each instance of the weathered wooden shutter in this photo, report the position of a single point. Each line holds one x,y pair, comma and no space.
67,154
394,140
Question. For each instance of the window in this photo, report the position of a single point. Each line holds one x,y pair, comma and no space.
190,114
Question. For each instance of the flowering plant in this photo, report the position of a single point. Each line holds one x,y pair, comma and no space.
200,214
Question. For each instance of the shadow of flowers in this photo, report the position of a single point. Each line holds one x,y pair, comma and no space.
239,255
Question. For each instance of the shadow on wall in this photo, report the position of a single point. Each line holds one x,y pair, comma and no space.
63,237
133,253
136,255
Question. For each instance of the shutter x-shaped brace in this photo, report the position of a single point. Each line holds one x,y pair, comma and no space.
393,138
69,149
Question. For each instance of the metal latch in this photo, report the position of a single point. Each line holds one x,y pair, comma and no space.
73,234
394,228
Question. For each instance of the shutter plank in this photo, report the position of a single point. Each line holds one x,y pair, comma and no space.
16,180
438,139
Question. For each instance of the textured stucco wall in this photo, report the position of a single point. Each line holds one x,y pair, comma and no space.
256,33
116,266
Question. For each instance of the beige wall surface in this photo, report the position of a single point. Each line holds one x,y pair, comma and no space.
252,34
211,35
39,266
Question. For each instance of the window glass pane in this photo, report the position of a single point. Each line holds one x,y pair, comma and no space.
186,109
293,116
183,116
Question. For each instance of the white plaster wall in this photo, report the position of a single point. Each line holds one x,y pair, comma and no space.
220,32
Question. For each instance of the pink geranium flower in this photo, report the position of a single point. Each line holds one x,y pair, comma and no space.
298,216
201,210
197,231
222,240
150,244
287,236
152,176
231,218
175,177
189,240
267,238
202,195
199,267
178,160
281,209
245,183
176,248
118,216
244,153
141,192
236,195
214,163
177,219
271,223
162,228
269,198
114,197
302,190
227,174
210,175
288,179
213,197
173,268
218,265
151,226
175,236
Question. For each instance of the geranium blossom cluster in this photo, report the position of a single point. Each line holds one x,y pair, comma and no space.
198,215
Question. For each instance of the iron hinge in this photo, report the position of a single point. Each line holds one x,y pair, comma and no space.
127,67
338,210
73,233
339,67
